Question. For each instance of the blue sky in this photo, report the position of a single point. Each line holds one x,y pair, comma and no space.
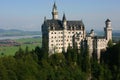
29,14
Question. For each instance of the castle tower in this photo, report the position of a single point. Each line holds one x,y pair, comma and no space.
64,23
108,30
92,33
54,12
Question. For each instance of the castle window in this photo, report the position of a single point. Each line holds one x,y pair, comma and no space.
61,32
51,32
55,32
51,44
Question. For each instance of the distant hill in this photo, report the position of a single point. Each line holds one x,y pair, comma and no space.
115,33
15,32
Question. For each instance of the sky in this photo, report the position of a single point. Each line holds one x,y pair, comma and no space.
29,15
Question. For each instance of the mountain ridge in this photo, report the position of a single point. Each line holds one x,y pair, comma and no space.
16,32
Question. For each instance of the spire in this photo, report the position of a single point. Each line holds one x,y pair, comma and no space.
82,23
54,12
64,17
54,6
45,18
64,21
108,20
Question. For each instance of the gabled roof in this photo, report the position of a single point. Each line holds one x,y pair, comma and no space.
59,25
54,23
75,23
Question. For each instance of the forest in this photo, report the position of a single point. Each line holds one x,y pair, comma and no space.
36,64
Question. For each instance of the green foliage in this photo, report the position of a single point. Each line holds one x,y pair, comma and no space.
72,65
85,60
111,57
110,43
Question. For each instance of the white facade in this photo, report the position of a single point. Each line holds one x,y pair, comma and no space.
62,33
62,39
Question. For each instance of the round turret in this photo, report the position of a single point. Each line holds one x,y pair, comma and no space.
108,23
108,30
92,33
54,12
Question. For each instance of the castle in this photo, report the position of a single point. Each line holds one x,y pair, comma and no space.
58,34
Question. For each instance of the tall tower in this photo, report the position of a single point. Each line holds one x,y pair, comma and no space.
64,24
54,12
64,21
108,30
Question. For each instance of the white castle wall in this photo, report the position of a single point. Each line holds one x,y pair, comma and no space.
61,39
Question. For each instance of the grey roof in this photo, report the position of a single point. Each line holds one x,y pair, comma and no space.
108,20
54,23
58,24
64,18
54,6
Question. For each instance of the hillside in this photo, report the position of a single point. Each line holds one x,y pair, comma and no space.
14,32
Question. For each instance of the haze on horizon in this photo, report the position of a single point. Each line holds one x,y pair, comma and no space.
29,14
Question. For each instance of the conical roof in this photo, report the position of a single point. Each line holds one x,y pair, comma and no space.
64,17
108,20
54,6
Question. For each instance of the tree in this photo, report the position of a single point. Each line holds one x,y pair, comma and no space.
3,72
19,53
26,50
110,43
41,53
86,60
